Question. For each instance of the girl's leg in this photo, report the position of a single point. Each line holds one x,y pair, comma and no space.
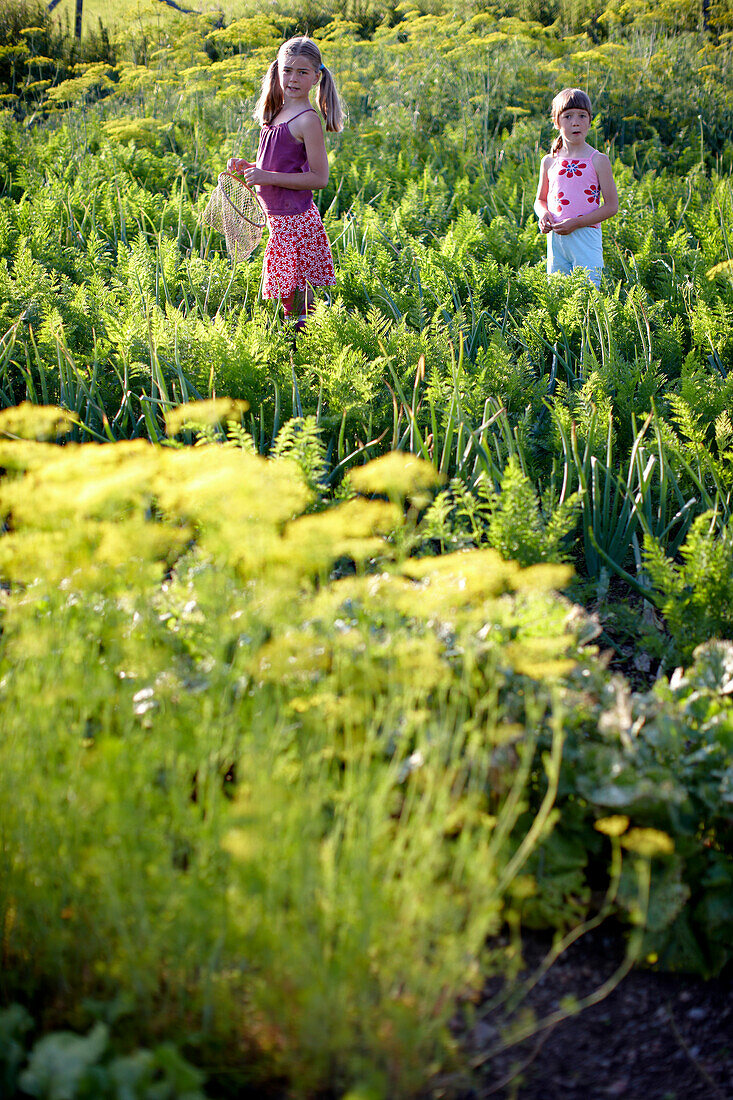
558,257
582,248
296,307
587,251
315,261
288,304
305,300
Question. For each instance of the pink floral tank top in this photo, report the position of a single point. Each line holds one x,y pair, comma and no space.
279,151
573,187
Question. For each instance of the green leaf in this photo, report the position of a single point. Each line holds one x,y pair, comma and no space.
15,1023
59,1062
183,1079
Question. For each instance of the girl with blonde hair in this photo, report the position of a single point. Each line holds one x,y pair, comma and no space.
291,164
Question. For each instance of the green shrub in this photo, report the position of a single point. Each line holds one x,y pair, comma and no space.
519,530
696,595
74,1066
663,760
279,788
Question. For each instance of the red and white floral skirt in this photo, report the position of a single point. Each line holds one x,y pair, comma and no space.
298,254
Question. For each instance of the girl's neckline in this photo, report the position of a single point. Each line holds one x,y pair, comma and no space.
274,125
576,156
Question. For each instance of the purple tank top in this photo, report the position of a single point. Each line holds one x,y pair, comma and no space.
279,151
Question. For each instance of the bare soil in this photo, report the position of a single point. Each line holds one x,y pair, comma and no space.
657,1036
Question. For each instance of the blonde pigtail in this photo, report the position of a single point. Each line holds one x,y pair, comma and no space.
271,97
329,103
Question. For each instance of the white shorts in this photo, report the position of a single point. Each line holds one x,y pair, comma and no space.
582,248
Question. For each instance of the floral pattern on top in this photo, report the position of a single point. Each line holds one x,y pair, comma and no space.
572,167
572,186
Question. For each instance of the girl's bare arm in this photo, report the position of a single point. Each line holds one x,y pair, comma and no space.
309,129
546,219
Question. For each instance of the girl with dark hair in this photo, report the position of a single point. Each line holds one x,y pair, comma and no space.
573,179
291,164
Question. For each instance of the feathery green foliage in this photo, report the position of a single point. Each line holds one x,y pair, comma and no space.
288,785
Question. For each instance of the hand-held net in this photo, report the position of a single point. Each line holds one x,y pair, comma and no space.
235,211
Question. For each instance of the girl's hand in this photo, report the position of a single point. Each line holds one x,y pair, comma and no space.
236,166
254,175
569,225
248,171
547,222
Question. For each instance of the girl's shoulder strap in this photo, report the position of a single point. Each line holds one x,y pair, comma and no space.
305,112
596,154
